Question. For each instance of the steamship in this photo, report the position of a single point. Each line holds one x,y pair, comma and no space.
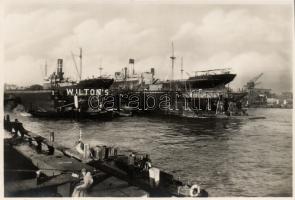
52,100
209,79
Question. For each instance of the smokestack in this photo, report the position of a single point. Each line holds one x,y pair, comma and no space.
59,69
153,71
131,63
125,73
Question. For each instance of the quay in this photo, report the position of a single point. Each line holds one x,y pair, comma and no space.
47,168
56,166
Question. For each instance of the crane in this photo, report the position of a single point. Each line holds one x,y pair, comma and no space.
188,74
253,82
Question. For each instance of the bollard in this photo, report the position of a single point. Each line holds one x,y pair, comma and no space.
7,124
30,141
7,118
38,173
116,151
86,151
15,128
51,137
100,153
21,129
50,150
103,152
107,150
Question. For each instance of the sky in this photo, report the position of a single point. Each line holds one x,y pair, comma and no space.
248,38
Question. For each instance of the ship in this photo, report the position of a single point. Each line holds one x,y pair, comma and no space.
127,79
209,79
53,100
205,93
202,80
57,81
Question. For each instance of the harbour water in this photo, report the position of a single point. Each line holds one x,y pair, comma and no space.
227,157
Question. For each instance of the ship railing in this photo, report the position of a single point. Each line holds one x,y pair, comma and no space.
213,72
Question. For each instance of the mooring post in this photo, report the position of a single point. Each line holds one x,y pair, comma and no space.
86,151
7,122
50,150
116,151
38,173
51,137
30,141
7,118
51,140
15,128
21,130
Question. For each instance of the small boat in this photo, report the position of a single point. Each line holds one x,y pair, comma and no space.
124,113
257,117
25,114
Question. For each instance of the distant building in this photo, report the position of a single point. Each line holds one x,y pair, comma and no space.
273,101
263,91
287,95
10,86
258,96
286,99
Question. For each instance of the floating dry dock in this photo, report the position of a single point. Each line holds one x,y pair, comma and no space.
52,166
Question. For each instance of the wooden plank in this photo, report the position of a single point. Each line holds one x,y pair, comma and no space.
31,184
38,138
55,164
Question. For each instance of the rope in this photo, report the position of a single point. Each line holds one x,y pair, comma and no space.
66,105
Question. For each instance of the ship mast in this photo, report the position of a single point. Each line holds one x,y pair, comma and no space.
172,57
45,71
131,66
100,68
80,56
181,69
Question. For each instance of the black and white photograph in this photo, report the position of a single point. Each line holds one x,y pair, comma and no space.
147,98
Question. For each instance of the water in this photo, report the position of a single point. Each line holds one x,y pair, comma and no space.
236,157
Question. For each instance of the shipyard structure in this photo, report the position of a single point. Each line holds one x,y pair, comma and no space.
205,94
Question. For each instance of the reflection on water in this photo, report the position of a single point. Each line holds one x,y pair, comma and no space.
235,157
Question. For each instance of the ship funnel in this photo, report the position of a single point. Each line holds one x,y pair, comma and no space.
59,69
125,73
153,71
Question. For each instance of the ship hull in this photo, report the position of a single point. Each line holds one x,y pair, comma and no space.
104,115
200,82
101,83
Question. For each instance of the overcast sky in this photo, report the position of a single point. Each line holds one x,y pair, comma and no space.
250,39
